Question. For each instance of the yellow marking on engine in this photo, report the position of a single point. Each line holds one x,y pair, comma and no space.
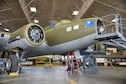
15,49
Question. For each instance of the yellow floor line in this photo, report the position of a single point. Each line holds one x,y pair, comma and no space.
70,80
14,79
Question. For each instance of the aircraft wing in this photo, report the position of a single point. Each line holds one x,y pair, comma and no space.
4,37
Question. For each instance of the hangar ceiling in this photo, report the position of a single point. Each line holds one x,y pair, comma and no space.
16,13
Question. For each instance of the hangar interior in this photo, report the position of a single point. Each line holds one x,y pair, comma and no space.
14,14
52,69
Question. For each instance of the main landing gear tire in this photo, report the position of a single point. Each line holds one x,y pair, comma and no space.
12,64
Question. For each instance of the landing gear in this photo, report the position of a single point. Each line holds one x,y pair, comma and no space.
12,61
12,64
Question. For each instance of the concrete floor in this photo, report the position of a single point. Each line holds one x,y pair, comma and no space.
58,75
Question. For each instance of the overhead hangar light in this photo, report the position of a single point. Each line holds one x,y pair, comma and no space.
75,12
7,30
33,9
36,21
0,24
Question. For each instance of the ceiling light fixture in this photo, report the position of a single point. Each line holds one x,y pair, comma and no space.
7,30
0,24
75,13
36,21
33,9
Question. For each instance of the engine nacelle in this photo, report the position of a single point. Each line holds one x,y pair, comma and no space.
29,35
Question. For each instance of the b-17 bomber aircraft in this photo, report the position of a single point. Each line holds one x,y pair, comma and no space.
32,40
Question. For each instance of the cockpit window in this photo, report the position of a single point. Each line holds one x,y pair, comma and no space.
62,22
89,23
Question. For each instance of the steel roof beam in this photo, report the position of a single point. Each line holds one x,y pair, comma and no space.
25,10
86,4
111,6
3,10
